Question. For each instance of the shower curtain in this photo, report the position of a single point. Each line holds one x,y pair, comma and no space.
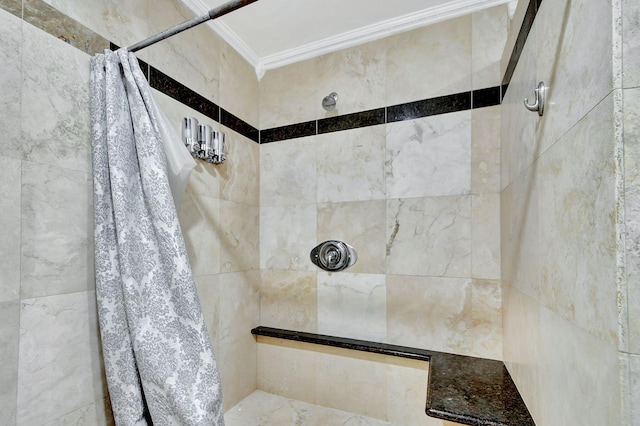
157,352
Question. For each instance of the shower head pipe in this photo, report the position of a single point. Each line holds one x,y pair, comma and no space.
212,14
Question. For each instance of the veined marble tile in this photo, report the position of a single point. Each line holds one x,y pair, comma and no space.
57,231
632,213
430,313
201,226
485,236
10,220
577,225
287,95
577,81
183,56
287,235
9,340
489,35
429,236
588,393
10,84
12,6
485,150
407,394
350,165
98,413
360,224
631,43
356,74
429,156
286,370
208,287
634,388
240,237
239,86
60,367
240,180
55,102
288,172
431,61
352,305
486,318
239,313
288,299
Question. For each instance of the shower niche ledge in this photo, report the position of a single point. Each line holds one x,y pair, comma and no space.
459,389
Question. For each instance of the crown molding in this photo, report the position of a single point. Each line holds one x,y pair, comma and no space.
361,35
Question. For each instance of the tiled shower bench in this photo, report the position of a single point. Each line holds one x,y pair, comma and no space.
460,389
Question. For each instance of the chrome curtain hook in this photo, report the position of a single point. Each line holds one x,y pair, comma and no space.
540,99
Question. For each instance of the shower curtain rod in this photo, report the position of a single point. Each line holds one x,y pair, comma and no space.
212,14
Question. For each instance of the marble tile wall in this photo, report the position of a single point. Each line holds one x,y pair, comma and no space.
49,343
418,199
569,262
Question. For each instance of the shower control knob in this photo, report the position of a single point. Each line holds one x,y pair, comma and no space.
333,256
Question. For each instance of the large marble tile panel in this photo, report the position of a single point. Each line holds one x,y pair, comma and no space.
357,74
287,235
183,56
57,231
60,367
429,236
201,226
288,300
9,341
485,236
632,213
10,84
360,224
10,220
240,180
98,413
240,239
239,86
208,287
288,95
486,318
430,313
205,178
350,165
630,43
341,383
431,61
489,35
485,150
588,393
55,109
407,393
634,388
577,81
429,156
124,23
577,211
288,172
239,313
12,6
352,305
287,370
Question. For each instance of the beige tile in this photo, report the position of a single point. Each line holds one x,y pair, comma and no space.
288,299
485,150
9,347
631,43
360,224
407,396
288,372
10,189
486,318
202,230
10,84
208,287
240,237
350,165
634,387
445,57
489,35
239,174
239,86
485,236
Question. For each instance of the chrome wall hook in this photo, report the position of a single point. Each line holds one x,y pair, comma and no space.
541,97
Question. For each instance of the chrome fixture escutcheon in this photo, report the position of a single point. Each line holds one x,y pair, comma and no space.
541,98
333,256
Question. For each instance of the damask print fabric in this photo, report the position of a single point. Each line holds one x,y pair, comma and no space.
157,352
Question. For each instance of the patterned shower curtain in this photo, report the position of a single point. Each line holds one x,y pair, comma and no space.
157,352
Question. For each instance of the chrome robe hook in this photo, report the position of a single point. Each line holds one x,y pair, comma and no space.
541,97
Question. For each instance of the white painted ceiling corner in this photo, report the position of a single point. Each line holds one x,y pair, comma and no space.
273,33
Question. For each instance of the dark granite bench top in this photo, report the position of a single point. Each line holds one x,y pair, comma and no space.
461,389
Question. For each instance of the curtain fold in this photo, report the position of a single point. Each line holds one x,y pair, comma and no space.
158,357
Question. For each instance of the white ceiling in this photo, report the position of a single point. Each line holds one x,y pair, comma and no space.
273,33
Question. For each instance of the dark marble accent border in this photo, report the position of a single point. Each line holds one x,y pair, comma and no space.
293,131
486,97
462,389
14,7
427,107
523,34
351,121
236,124
178,91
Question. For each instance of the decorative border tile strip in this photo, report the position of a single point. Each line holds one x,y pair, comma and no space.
523,34
351,121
